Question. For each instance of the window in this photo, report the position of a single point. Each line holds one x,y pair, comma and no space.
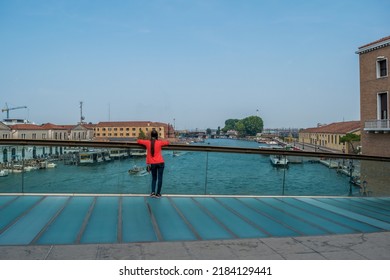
382,106
381,68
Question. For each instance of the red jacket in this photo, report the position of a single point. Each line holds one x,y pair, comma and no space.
157,150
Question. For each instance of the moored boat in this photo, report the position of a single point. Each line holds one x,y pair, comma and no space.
136,170
278,160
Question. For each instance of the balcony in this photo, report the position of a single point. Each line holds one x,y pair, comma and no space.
377,126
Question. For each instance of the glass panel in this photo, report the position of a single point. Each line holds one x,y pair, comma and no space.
123,171
320,176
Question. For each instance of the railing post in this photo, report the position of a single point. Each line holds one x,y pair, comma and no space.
23,169
207,166
284,175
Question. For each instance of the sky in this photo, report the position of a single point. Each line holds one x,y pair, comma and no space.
193,64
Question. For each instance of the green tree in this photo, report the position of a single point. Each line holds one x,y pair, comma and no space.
253,125
219,131
350,139
208,131
141,134
240,128
230,124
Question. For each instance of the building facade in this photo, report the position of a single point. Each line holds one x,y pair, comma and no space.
375,97
329,136
374,113
129,130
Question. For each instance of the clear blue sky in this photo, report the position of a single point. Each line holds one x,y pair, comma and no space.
199,62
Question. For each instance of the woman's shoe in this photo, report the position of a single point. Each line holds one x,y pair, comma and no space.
152,194
158,195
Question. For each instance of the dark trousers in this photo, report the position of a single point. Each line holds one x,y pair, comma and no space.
157,176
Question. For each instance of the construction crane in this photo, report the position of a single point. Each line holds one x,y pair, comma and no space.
7,109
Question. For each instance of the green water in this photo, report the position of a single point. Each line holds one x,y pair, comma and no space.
187,173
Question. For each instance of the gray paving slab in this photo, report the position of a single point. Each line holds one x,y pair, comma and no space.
371,246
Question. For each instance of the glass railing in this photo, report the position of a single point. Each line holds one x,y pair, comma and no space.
210,168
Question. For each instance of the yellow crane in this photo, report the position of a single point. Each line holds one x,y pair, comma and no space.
7,109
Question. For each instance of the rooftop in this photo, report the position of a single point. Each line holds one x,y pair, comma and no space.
383,42
336,128
129,124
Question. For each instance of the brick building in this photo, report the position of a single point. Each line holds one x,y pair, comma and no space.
374,97
374,113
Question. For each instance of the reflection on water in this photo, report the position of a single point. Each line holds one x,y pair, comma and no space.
187,173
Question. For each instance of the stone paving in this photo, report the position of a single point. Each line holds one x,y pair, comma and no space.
368,246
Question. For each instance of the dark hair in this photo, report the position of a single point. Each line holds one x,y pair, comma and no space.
154,137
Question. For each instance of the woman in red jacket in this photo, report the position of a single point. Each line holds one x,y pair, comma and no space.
155,159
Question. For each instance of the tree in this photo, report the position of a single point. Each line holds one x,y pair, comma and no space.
253,125
249,126
141,134
350,138
230,125
240,128
208,131
219,131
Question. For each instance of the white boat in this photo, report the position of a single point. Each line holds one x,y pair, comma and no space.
51,165
138,152
86,158
278,160
3,173
136,170
118,153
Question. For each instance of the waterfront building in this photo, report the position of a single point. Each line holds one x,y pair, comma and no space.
5,131
129,130
46,131
374,97
374,114
328,136
81,132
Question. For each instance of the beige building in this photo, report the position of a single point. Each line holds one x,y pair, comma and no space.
126,130
328,136
5,131
375,97
47,131
82,132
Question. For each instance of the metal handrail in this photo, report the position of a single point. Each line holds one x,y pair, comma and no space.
377,124
186,147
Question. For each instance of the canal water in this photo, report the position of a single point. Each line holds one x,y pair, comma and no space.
195,173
